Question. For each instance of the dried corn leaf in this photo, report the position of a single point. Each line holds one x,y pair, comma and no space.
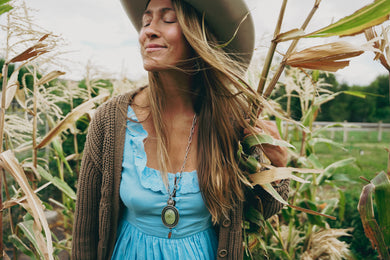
32,52
70,119
49,77
290,35
380,44
11,164
20,97
12,86
272,174
5,256
264,181
268,188
366,17
44,37
328,57
15,201
312,212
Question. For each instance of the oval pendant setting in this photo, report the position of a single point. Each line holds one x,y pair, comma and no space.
170,215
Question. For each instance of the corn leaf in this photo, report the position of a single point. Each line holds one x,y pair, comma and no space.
330,170
254,215
318,140
262,138
370,225
70,119
28,230
2,2
361,94
60,153
5,8
61,185
366,17
341,205
18,243
34,205
250,164
268,188
327,57
382,193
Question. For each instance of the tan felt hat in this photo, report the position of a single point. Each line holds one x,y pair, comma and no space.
223,16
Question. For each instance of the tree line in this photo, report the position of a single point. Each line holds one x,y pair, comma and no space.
369,103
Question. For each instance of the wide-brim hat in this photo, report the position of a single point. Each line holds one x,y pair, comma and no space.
224,17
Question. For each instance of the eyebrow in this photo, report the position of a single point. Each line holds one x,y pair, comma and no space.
162,10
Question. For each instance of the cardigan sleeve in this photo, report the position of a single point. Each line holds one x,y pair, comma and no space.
86,218
266,203
261,199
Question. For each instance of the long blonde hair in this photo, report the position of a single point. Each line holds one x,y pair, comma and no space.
222,97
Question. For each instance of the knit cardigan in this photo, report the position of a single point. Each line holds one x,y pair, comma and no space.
98,206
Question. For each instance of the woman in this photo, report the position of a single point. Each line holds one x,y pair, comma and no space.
159,177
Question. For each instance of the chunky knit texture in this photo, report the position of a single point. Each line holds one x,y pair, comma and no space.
98,206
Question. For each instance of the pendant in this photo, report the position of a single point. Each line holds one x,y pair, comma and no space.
170,214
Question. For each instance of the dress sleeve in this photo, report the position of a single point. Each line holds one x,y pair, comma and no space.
86,218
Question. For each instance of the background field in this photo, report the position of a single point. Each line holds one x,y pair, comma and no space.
371,158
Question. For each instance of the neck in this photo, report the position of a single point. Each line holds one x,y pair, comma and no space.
177,86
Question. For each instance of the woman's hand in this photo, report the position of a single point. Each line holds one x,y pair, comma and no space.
276,154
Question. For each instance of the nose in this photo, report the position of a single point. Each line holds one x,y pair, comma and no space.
151,31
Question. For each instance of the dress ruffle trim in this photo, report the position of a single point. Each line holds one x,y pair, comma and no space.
151,178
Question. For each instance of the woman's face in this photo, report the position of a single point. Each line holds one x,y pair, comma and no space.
162,42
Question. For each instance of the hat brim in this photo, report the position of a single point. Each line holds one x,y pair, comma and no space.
223,16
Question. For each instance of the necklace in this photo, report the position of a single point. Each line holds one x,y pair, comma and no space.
170,214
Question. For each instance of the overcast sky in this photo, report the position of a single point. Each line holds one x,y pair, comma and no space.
99,30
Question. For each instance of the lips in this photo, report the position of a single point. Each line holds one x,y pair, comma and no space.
154,47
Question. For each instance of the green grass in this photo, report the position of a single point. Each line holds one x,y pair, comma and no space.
371,156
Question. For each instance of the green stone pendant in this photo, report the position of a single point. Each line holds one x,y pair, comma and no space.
170,215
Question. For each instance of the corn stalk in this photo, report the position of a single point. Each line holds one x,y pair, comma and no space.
326,57
329,57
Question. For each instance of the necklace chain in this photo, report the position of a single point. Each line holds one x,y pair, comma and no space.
177,180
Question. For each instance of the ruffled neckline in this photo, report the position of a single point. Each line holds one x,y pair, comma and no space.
151,178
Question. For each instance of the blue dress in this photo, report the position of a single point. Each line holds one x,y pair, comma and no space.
141,233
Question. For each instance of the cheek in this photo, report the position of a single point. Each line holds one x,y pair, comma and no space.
141,37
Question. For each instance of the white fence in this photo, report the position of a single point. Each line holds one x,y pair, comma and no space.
345,127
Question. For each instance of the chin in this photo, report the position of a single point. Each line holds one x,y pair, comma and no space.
155,67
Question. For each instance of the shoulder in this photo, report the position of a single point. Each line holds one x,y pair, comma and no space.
109,108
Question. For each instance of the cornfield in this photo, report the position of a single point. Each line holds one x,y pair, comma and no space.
44,119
